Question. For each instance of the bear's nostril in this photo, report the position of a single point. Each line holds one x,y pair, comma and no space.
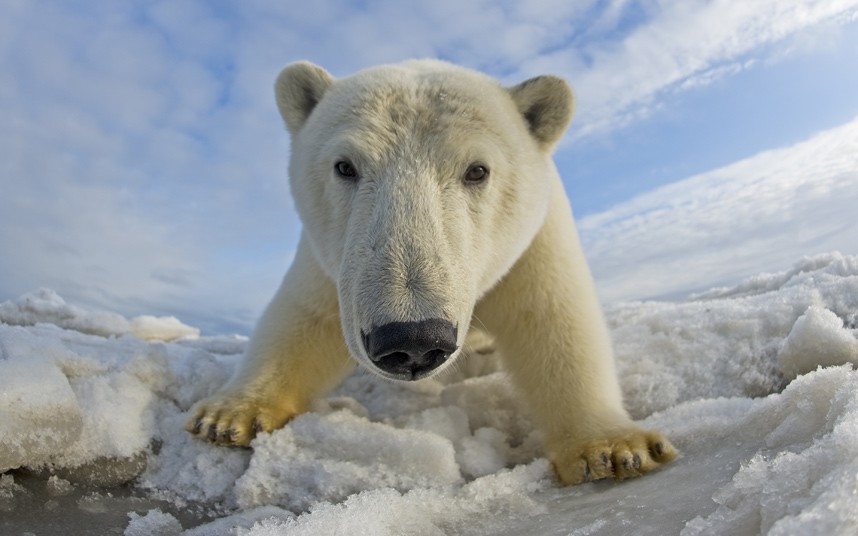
410,350
437,355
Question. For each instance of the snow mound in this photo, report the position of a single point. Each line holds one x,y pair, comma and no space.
819,269
818,338
749,342
802,479
46,307
756,386
153,523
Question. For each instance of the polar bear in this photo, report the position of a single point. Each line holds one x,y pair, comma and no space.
431,204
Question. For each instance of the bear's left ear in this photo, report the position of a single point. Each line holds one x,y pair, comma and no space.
547,104
299,88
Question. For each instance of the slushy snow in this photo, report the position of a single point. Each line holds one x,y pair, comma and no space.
755,384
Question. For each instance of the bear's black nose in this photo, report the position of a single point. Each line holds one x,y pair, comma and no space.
410,350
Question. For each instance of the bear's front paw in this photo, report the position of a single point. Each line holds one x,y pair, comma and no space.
234,420
624,455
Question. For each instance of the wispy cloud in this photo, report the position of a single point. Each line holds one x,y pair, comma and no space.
759,214
685,45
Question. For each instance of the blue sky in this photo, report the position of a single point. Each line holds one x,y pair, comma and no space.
143,163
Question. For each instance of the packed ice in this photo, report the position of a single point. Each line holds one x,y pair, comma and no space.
754,383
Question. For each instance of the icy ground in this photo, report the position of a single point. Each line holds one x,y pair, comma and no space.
754,384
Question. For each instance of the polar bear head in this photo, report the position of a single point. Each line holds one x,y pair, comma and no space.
419,186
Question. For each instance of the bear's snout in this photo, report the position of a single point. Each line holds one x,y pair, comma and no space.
411,350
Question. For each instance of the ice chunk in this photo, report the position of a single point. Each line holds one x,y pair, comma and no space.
58,487
153,523
818,338
490,401
483,454
10,493
329,457
88,412
193,469
805,482
729,343
450,422
39,413
46,306
102,471
435,511
770,282
242,522
164,328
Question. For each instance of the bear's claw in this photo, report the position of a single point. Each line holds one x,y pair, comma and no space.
217,427
623,456
234,420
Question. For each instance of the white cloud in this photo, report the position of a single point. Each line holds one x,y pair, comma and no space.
621,70
755,215
144,163
684,45
125,181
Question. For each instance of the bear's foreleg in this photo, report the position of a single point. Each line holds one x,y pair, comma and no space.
554,342
297,353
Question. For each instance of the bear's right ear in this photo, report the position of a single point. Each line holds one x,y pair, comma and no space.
298,89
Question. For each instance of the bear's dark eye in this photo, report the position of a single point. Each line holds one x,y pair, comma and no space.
477,173
346,170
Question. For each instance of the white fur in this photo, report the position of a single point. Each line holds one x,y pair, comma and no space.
410,239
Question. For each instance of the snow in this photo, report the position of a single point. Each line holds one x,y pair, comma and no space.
754,383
